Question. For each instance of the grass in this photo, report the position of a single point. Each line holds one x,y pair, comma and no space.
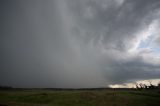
79,98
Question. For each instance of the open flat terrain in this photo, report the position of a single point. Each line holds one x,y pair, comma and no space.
79,97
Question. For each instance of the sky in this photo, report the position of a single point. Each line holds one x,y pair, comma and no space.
78,43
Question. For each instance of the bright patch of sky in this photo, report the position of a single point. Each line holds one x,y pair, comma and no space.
147,42
148,37
133,85
156,51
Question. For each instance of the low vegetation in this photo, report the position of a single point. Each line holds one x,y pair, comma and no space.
91,97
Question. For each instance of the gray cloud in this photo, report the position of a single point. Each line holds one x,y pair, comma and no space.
131,70
71,43
113,21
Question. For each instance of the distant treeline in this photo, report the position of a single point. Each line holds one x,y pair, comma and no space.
150,86
5,87
62,89
54,89
139,86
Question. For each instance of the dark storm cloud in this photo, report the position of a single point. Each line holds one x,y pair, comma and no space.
128,71
114,21
75,43
31,33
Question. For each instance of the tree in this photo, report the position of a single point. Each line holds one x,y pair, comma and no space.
151,86
158,86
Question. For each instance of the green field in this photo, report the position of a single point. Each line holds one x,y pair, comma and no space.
79,98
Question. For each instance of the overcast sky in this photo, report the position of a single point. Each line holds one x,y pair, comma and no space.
78,43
